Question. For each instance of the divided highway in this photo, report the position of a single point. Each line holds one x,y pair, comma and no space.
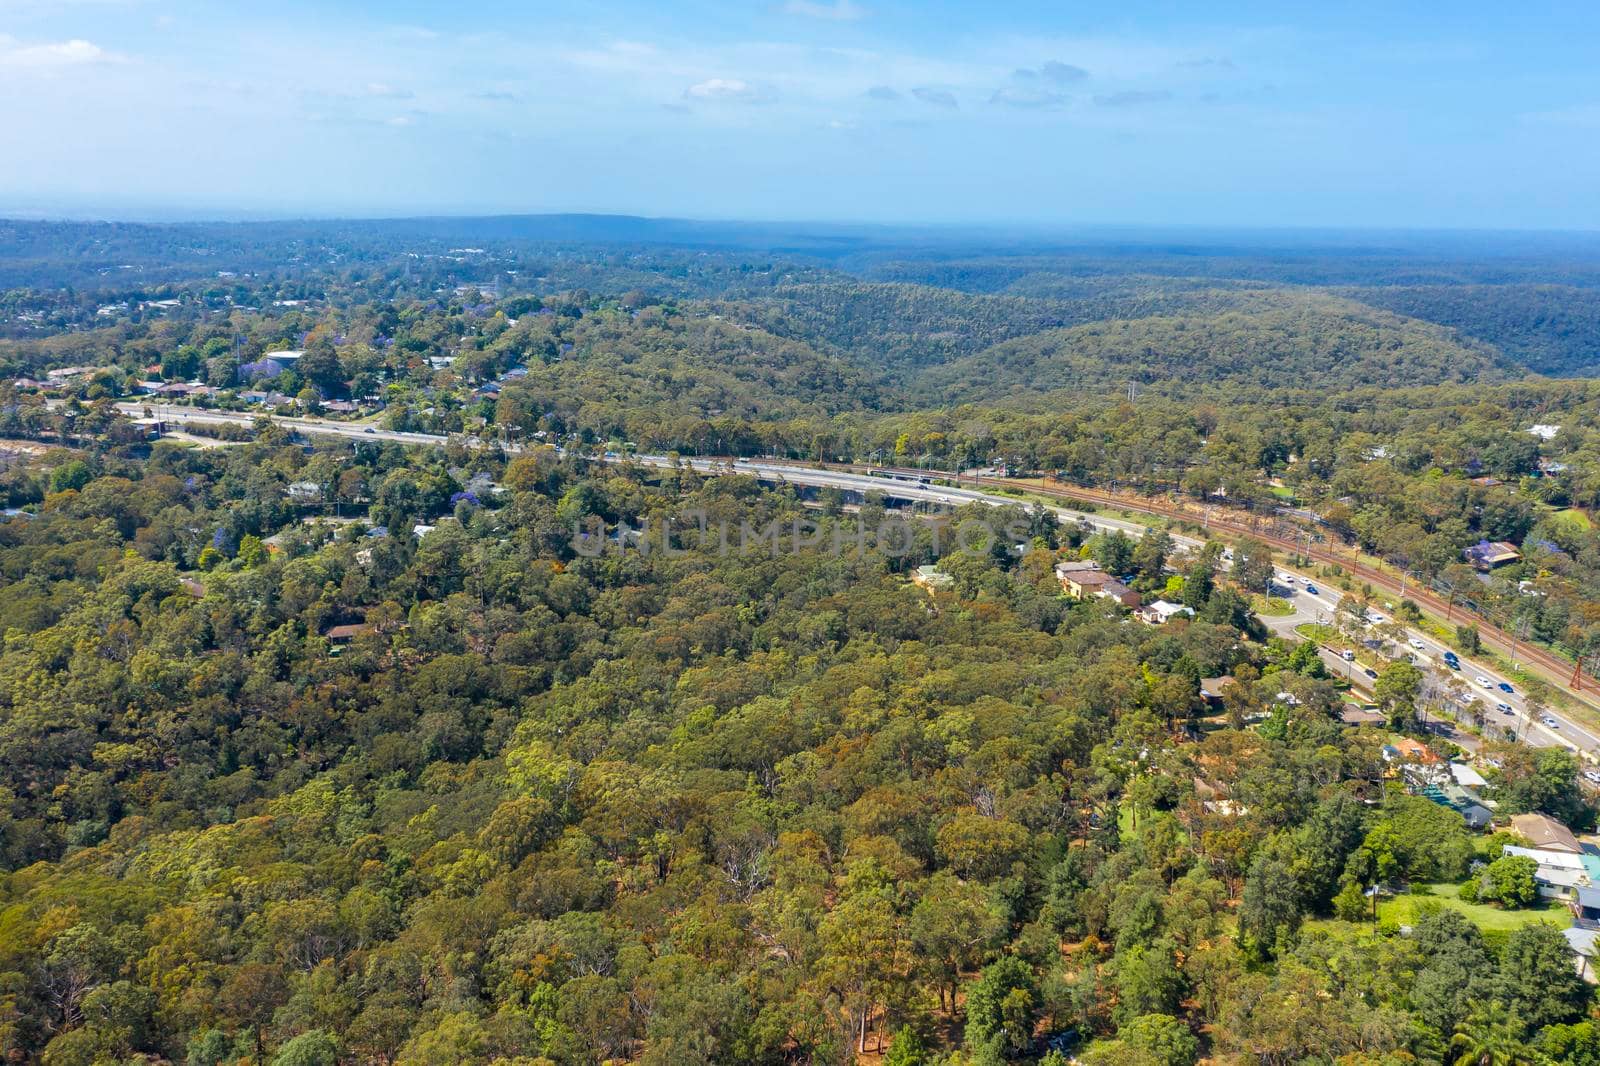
1487,685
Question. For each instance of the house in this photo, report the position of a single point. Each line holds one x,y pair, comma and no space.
1487,554
1588,908
305,491
1545,833
1405,749
1073,566
283,360
1464,801
1215,798
1161,612
1083,584
1544,431
1466,776
1582,941
344,634
1122,594
1211,689
1355,714
930,577
1559,874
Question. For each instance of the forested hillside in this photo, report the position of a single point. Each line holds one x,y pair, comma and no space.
1551,329
1306,342
408,750
673,808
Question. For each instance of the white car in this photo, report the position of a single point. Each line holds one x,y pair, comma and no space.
1482,682
1375,619
1592,776
1348,656
1550,723
1415,643
1504,708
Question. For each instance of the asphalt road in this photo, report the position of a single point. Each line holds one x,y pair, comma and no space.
1309,607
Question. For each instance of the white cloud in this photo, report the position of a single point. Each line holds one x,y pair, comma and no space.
722,89
75,52
838,11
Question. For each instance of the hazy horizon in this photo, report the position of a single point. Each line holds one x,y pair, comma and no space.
1363,117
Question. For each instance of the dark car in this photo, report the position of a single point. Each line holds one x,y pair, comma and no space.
1505,686
1369,671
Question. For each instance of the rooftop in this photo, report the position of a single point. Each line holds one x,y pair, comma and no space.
1545,833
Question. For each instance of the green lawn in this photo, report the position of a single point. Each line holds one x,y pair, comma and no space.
1276,606
1576,517
1403,910
1322,634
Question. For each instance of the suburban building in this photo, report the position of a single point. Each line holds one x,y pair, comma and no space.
1084,584
1545,833
1161,612
283,360
930,577
344,634
1488,554
1211,689
1560,874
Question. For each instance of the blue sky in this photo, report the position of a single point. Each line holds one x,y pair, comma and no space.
1474,114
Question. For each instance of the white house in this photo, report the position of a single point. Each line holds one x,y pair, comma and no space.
1560,873
1161,612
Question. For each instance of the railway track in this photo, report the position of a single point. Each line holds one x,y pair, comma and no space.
1554,669
1560,671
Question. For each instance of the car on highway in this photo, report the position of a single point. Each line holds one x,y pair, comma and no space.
1592,776
369,429
1506,687
1549,722
1482,682
1348,656
1504,708
1454,664
1369,671
1415,643
1311,589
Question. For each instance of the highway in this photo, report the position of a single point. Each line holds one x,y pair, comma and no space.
1554,729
